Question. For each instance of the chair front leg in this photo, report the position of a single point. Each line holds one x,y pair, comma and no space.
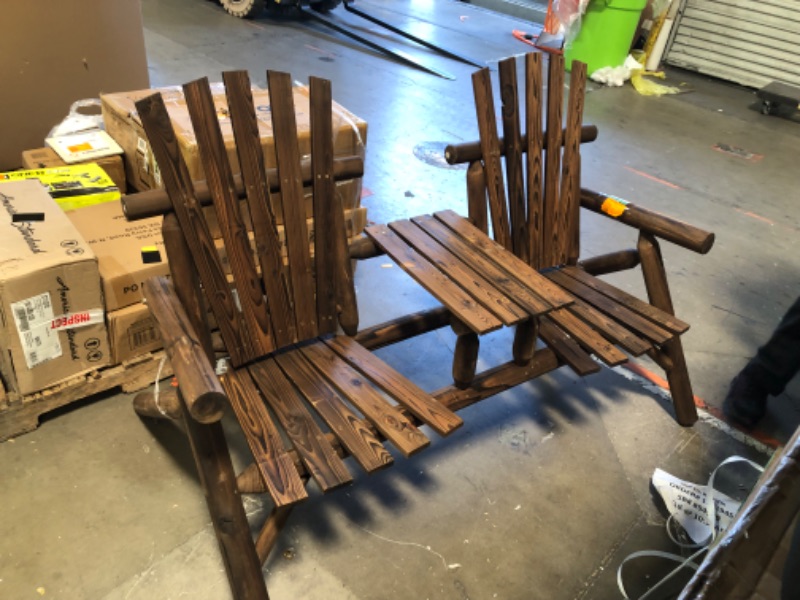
655,280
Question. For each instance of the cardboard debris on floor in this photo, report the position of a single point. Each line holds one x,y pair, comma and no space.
51,303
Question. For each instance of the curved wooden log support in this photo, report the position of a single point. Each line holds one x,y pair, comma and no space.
467,152
655,279
525,341
675,231
156,202
403,328
612,262
166,407
465,358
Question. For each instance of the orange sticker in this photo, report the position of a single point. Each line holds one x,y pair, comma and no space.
82,147
613,207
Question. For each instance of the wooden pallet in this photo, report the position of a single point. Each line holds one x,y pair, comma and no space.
20,414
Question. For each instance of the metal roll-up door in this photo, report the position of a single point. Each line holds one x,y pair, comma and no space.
750,42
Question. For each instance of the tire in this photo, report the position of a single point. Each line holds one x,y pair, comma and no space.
244,9
325,6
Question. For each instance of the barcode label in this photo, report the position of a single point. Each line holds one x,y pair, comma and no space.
143,336
33,317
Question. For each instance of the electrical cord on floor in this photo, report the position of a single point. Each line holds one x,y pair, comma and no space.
685,562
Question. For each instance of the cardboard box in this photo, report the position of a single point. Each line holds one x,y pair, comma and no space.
52,323
123,124
118,244
46,158
132,331
72,186
55,53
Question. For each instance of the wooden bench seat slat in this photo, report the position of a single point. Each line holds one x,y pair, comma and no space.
566,348
660,317
319,457
451,265
418,402
276,466
261,205
522,295
219,178
386,417
587,337
513,266
610,307
343,422
428,276
610,328
287,153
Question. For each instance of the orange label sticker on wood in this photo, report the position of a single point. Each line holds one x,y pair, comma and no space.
614,207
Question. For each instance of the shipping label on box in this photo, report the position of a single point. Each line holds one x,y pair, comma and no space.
71,186
118,245
133,331
52,324
46,158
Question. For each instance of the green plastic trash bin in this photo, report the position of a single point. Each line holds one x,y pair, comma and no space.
606,34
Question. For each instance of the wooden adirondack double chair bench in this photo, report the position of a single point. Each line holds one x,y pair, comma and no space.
301,379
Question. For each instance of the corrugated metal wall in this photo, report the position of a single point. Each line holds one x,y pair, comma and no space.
751,42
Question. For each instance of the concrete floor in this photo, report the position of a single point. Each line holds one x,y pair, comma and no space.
546,488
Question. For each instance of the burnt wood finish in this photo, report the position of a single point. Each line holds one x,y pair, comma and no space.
476,196
680,233
522,295
152,203
658,316
213,462
200,387
587,337
603,303
655,279
428,276
403,328
612,262
450,264
533,154
335,286
186,282
177,182
416,401
566,348
467,152
386,417
525,341
287,154
322,462
512,142
610,328
275,466
219,178
569,213
551,237
490,149
260,204
343,423
509,263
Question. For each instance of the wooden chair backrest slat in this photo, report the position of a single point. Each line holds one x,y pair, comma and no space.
534,212
265,291
219,179
261,205
178,184
287,154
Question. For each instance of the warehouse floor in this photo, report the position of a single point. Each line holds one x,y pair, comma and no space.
546,488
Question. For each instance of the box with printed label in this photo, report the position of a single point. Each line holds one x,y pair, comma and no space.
46,158
52,323
132,331
72,186
117,244
122,123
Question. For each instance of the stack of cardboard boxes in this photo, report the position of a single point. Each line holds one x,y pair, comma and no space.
71,284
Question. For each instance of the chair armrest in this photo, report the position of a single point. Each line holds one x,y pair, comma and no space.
199,385
672,230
